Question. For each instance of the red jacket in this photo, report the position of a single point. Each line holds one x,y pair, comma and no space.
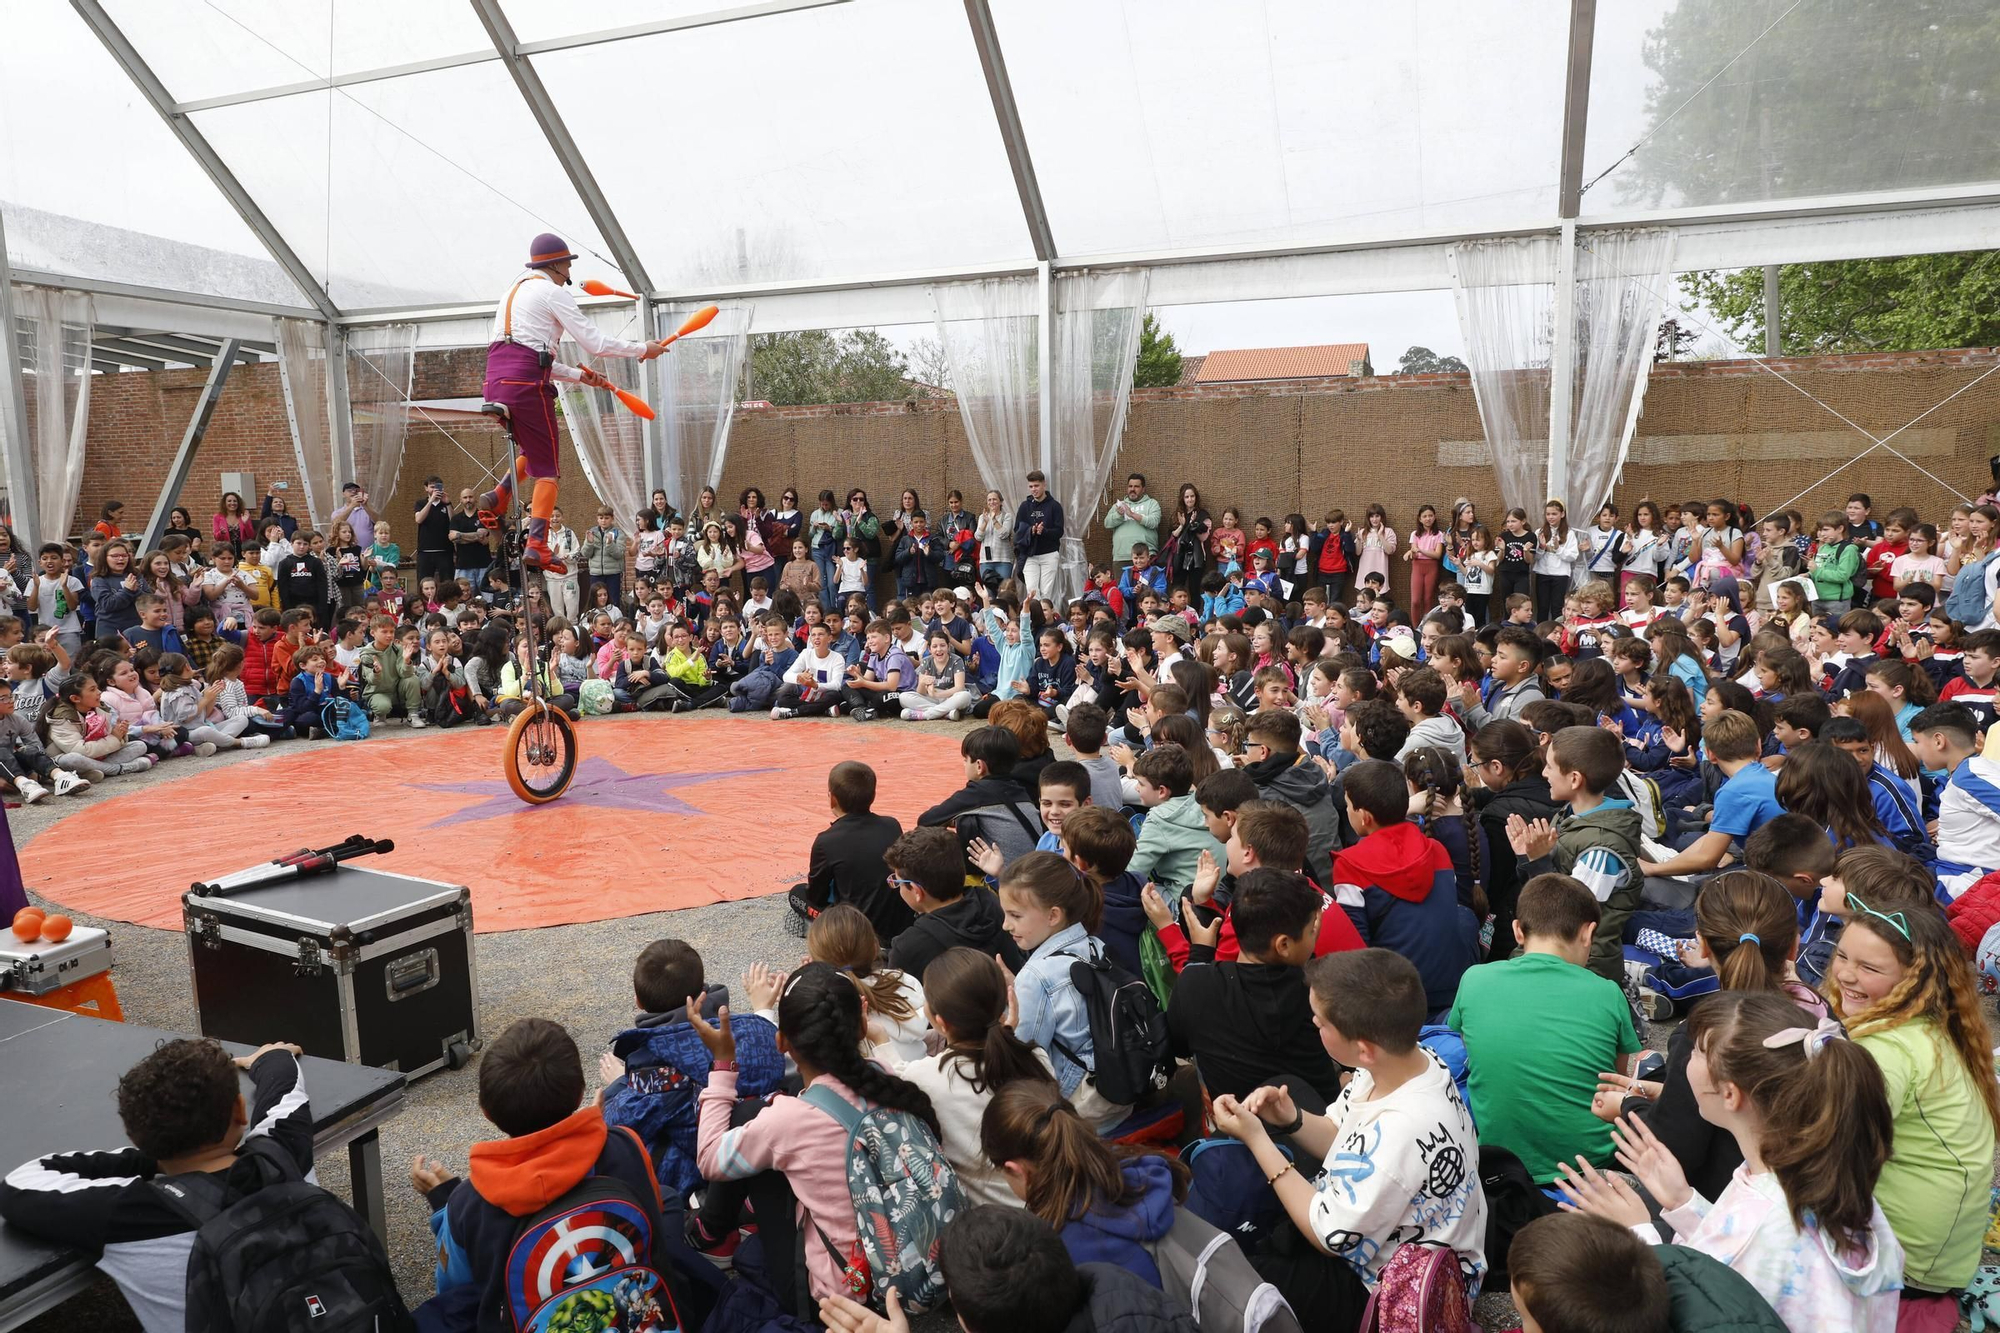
260,673
1975,911
1336,934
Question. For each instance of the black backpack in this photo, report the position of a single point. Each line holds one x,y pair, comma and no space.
1128,1032
286,1258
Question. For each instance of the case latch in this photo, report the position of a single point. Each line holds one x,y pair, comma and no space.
311,959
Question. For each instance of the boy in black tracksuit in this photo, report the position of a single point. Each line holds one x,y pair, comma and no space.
106,1202
929,870
1248,1022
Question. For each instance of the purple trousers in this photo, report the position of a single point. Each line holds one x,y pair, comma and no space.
514,376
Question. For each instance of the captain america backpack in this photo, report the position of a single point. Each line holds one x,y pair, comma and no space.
588,1262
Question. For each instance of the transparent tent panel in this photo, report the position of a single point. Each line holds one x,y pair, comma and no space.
217,48
1292,121
548,20
428,188
1804,100
847,140
142,211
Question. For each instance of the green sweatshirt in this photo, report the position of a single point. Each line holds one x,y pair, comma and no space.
1833,570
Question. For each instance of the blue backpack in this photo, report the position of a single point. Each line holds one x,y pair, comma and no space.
1229,1191
588,1261
904,1193
343,719
1967,601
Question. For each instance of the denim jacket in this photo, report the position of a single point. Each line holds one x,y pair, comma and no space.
1051,1010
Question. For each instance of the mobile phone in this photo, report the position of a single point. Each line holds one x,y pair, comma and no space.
281,485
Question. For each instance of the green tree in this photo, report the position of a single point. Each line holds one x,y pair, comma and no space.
1911,303
817,366
1423,361
1159,359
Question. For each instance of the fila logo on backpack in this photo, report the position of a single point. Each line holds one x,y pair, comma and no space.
315,1307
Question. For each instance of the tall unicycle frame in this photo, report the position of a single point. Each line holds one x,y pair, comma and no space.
542,751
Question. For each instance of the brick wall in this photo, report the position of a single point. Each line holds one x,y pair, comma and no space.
1709,428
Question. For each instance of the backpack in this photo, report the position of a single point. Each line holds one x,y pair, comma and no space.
1420,1290
287,1257
1229,1190
342,720
1513,1200
1128,1032
904,1193
591,1259
1644,794
593,697
1014,828
1224,1293
1967,602
447,706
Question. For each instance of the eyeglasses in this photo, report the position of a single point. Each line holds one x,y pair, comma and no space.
1896,919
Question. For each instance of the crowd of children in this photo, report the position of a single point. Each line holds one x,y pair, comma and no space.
1316,936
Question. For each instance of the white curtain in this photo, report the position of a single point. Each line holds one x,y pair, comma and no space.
610,441
55,329
991,334
1505,290
1093,355
381,366
302,369
1621,283
699,380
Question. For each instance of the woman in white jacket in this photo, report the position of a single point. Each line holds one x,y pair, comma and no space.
1555,558
966,995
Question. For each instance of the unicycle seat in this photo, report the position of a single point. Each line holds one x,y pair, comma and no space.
500,410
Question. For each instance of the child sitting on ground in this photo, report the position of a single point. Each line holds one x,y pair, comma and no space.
1053,916
841,938
846,865
927,867
1099,843
1400,1113
23,761
184,1113
1595,841
1539,1028
1799,1219
1574,1273
1248,1021
1398,887
1174,836
86,738
1061,787
656,1067
187,705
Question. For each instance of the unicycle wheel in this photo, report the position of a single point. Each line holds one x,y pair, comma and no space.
541,753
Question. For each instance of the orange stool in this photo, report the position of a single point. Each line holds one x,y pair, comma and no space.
93,996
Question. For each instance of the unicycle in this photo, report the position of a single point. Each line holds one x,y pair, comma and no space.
542,752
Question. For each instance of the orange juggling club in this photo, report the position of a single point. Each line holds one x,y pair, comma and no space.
592,287
634,402
699,319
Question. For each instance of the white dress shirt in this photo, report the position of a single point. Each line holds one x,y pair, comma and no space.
544,311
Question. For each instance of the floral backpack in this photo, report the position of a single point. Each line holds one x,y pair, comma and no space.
1420,1290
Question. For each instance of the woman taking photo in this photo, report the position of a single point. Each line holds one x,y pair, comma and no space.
276,510
825,531
1187,547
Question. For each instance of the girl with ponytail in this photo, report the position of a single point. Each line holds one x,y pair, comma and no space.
1053,913
1798,1220
965,994
1901,983
795,1154
844,939
1746,935
1108,1203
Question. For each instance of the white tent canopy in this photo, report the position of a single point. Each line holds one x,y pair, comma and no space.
827,163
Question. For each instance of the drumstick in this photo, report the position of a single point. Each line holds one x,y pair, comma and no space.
592,287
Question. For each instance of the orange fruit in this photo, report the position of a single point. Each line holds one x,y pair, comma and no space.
56,929
27,928
34,912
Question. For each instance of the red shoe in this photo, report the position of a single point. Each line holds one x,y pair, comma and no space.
536,555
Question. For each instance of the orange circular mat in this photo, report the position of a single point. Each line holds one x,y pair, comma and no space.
665,812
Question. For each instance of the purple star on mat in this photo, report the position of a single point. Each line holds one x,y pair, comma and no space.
599,783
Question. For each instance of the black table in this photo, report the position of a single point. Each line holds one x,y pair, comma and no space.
59,1071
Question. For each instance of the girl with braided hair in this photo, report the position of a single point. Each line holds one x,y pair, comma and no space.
1901,983
1436,779
794,1153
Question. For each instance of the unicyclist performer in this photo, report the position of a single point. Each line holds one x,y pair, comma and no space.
521,371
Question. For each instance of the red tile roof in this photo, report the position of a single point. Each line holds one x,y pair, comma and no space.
1281,363
1191,368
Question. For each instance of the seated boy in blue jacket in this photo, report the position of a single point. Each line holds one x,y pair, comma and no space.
1398,886
658,1066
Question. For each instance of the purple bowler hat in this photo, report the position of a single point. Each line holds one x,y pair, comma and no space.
548,248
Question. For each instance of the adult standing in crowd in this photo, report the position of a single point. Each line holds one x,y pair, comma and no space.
434,544
354,510
1133,518
1038,534
276,509
564,591
1187,548
862,527
996,541
824,534
470,552
233,524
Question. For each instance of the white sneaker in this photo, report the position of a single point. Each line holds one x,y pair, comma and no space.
952,716
204,750
31,790
67,782
1062,715
417,723
780,714
256,740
